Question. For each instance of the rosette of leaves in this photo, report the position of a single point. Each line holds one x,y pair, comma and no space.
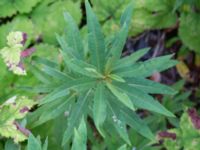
186,136
12,110
145,17
95,82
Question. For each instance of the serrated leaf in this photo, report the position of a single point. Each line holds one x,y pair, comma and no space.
13,109
47,16
99,107
9,8
189,30
96,41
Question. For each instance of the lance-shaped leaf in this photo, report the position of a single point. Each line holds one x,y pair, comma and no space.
143,100
73,36
78,111
127,15
82,67
99,107
150,86
121,96
117,46
120,38
13,109
80,137
52,110
96,41
130,60
63,90
129,117
121,129
147,68
35,143
123,147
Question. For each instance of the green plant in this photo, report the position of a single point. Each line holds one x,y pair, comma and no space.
186,136
95,82
145,17
181,14
12,110
171,102
40,20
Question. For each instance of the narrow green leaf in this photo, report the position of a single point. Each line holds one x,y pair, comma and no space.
10,145
65,47
147,68
117,47
44,61
99,107
33,143
150,86
96,39
123,147
45,145
130,60
58,108
136,123
127,15
73,36
77,113
116,78
63,90
80,137
143,100
82,67
121,129
43,77
123,97
123,115
56,73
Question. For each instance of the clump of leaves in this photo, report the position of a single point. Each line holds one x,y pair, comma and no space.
13,109
146,16
95,82
186,136
9,8
35,143
171,102
12,53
